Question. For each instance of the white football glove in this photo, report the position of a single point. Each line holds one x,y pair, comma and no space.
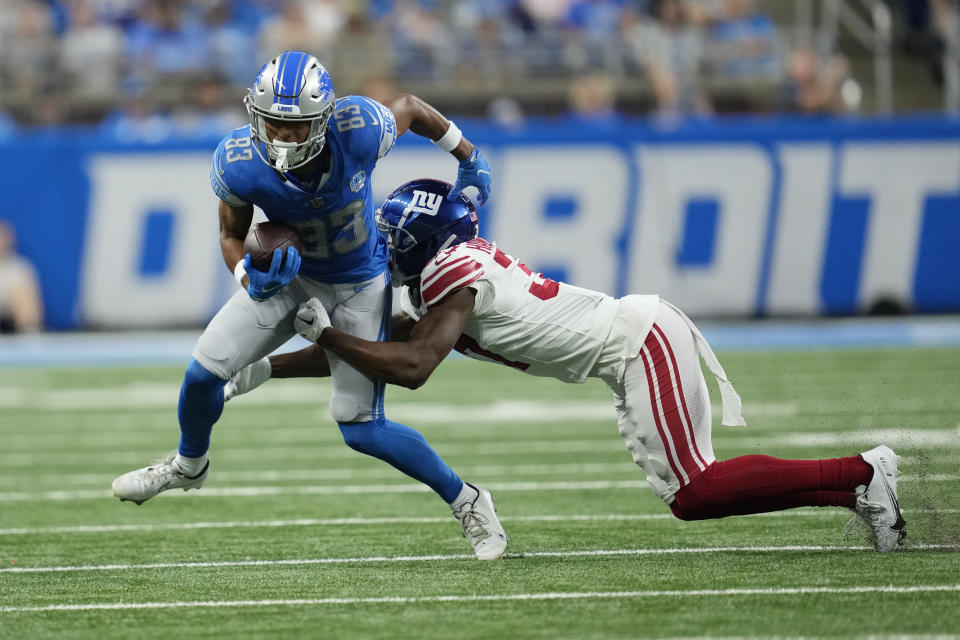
247,379
311,320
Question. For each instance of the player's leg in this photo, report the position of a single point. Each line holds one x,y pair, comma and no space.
357,404
242,331
666,408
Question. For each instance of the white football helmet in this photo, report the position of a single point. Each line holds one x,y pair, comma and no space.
292,86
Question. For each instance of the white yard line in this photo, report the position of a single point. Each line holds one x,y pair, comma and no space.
550,595
349,473
322,522
407,487
481,471
247,492
582,553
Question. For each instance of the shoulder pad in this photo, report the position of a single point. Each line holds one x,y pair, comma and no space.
453,269
366,128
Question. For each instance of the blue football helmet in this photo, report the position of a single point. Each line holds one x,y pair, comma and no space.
420,222
293,86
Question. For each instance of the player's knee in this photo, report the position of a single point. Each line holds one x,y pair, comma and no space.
197,379
360,436
689,503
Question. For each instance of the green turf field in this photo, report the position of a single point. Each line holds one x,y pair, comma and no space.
296,536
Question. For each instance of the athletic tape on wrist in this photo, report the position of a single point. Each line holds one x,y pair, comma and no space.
449,141
239,272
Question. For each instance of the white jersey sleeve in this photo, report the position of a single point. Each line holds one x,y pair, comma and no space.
452,269
520,318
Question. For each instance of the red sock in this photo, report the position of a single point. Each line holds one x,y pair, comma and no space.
756,484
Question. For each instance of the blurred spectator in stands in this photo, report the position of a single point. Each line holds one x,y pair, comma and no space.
230,45
591,25
506,112
424,45
669,49
212,110
90,52
166,41
379,87
744,44
287,30
326,20
815,88
137,120
30,49
21,305
592,101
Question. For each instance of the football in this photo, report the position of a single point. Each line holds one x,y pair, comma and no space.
264,237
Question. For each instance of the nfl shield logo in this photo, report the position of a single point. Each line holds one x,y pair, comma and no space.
356,182
318,202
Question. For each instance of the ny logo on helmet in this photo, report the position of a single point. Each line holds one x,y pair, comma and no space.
424,202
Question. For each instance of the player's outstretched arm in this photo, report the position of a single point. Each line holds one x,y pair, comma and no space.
413,113
409,363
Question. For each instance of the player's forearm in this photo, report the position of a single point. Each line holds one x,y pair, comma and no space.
234,224
413,113
400,327
310,362
399,363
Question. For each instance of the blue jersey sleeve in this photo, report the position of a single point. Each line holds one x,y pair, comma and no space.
367,129
231,161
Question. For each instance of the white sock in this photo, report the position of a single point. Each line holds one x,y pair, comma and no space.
190,467
467,494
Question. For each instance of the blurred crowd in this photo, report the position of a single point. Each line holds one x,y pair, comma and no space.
148,69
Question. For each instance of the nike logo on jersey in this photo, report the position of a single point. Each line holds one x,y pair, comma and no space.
359,288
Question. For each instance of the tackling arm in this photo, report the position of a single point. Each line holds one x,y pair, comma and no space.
311,362
411,362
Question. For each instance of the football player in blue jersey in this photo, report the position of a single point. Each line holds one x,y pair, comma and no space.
305,159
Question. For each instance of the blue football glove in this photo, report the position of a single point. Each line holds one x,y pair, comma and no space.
265,285
473,172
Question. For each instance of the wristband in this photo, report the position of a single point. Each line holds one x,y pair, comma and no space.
449,141
239,272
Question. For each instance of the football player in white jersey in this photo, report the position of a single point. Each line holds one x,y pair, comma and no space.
305,159
465,293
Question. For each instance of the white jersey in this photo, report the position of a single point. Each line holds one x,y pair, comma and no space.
520,318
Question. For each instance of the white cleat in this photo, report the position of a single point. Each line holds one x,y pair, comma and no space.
877,502
141,485
481,527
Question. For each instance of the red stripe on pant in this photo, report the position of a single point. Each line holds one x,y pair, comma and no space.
664,436
667,402
683,400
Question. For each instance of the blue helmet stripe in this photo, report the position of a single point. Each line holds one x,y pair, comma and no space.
288,84
299,81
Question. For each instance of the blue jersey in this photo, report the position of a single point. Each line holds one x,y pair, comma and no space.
334,216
